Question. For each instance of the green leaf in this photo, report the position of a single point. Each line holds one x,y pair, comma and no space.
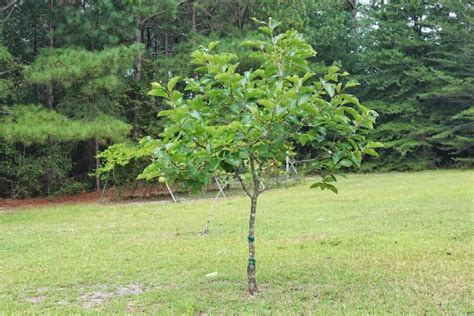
352,83
266,30
317,185
345,163
329,87
363,109
370,151
156,85
338,156
333,70
269,104
373,144
305,138
249,43
212,45
310,108
256,20
159,92
330,178
235,125
172,83
352,112
308,75
324,186
274,24
331,187
349,98
253,109
166,112
321,102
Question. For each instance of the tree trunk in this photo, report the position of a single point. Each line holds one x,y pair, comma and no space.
97,164
166,44
138,75
49,173
50,92
138,60
193,16
353,7
251,268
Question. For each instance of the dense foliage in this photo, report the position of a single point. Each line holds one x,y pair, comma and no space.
74,68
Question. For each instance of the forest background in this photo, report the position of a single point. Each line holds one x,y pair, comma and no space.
74,77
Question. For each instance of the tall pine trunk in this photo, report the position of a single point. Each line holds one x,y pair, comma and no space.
353,7
193,16
50,92
138,74
97,164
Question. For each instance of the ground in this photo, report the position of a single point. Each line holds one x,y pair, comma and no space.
387,243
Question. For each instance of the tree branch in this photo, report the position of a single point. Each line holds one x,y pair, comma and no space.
244,187
142,22
255,177
260,172
9,14
4,8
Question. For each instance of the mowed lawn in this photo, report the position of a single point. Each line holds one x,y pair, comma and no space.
387,243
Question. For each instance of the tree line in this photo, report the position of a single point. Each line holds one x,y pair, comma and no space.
74,76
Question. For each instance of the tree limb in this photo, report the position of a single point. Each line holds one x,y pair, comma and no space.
4,8
244,187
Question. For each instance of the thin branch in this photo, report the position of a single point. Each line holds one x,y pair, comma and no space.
255,177
142,22
244,187
4,8
197,143
9,14
260,172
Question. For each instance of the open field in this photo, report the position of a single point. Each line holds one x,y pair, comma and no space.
387,243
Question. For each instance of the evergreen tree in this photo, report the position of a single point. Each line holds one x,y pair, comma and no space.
415,69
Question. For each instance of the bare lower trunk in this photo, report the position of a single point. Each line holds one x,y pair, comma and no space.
49,173
256,176
97,165
251,268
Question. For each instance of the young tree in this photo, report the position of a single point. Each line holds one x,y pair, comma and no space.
228,121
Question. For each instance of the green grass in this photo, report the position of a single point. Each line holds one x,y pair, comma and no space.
387,243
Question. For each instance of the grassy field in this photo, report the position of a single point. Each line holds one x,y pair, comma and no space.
388,243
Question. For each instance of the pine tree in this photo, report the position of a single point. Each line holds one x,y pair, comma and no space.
415,69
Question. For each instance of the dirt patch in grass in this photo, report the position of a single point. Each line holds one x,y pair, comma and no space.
103,294
35,299
131,289
95,298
